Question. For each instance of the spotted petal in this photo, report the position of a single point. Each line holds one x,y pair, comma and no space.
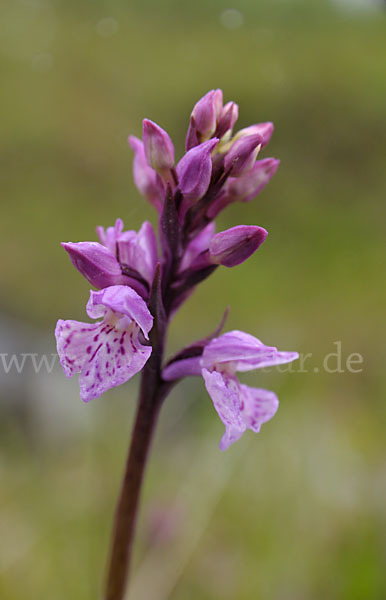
107,353
239,407
225,395
120,299
104,355
258,406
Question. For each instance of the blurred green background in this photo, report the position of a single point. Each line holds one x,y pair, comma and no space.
299,511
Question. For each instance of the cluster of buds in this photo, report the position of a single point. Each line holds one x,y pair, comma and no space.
142,281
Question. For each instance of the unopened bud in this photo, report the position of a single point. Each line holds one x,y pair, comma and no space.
235,245
148,182
204,117
242,154
159,149
246,187
264,130
96,263
228,118
194,170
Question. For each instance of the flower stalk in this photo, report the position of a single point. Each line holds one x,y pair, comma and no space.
151,396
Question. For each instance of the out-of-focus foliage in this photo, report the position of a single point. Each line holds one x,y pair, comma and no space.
298,511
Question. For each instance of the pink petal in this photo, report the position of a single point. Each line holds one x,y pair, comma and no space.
243,351
259,406
139,251
225,395
104,355
109,236
121,299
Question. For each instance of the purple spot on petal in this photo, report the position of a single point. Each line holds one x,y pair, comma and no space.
93,356
88,349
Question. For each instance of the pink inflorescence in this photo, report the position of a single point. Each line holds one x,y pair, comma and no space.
131,269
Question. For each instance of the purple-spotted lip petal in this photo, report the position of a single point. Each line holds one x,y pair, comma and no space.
104,355
225,395
259,406
124,300
239,407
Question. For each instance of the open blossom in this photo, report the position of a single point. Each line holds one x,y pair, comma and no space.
122,257
109,352
137,252
240,407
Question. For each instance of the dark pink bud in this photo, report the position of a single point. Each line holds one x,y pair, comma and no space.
194,170
159,149
265,130
242,155
192,136
235,245
96,263
228,118
148,182
205,115
246,187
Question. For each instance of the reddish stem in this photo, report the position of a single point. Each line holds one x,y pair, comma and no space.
152,394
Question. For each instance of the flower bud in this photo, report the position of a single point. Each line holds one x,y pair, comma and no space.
148,182
197,246
246,187
96,263
194,170
265,130
235,245
204,118
228,118
159,149
242,155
